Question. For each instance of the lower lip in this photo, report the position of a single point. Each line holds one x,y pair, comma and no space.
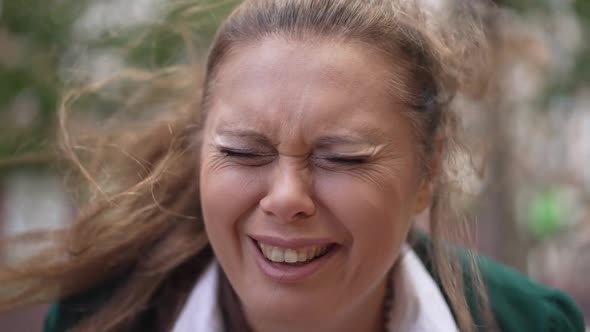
285,273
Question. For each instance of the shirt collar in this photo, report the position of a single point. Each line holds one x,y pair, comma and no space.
418,304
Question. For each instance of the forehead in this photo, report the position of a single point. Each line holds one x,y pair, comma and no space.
322,62
311,84
330,59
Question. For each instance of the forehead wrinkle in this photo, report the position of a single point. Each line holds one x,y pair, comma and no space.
239,126
296,118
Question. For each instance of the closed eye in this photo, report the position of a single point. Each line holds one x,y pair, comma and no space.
237,154
246,157
341,162
348,160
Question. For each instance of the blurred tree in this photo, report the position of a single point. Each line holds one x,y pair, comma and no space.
45,43
32,35
547,42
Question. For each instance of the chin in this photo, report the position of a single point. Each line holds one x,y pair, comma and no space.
291,306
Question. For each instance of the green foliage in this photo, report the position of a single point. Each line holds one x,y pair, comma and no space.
35,31
45,23
38,33
581,74
582,7
545,214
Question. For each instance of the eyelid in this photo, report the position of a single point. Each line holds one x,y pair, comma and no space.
246,157
342,160
243,143
344,156
240,150
351,157
350,150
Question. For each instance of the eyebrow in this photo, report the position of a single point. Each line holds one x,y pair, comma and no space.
322,142
244,133
327,141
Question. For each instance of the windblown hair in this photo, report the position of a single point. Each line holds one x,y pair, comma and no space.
141,218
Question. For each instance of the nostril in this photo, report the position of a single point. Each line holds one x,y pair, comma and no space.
300,215
288,206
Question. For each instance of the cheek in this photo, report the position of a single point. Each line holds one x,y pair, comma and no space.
377,206
227,191
228,195
375,214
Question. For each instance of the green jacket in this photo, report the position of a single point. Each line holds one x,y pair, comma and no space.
519,304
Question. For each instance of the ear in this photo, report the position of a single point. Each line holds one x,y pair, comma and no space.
429,176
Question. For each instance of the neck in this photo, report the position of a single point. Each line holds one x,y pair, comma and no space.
366,314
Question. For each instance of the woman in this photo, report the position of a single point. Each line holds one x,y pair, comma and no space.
287,203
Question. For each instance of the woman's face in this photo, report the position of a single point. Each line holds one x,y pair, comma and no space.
309,177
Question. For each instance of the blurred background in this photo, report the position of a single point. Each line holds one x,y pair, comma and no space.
530,204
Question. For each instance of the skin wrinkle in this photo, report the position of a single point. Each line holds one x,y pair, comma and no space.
299,179
303,163
298,115
325,147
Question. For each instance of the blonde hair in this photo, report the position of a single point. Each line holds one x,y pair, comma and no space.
147,225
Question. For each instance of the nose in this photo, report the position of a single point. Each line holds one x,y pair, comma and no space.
289,197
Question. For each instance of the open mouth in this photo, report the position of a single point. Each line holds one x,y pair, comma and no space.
294,257
293,261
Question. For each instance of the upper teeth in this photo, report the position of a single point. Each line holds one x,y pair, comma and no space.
288,255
